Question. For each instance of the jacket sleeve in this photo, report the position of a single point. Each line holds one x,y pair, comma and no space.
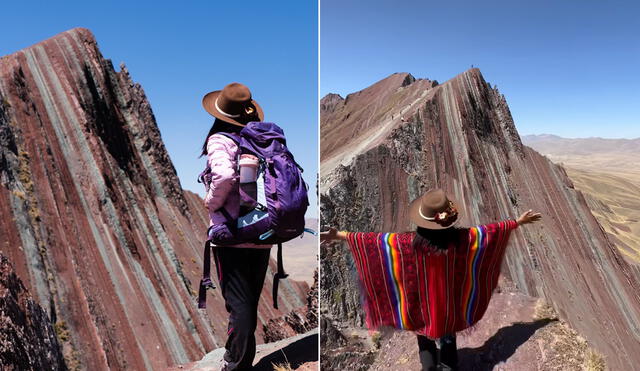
221,158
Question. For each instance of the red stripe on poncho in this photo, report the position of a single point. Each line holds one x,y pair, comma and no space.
431,292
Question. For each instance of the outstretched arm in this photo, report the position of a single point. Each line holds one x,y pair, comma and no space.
333,234
528,217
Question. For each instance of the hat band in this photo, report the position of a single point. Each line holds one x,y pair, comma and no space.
434,218
422,215
223,112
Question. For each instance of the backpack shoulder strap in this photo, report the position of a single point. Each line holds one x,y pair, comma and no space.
233,136
205,282
280,274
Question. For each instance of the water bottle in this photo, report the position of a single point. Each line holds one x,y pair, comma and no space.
248,187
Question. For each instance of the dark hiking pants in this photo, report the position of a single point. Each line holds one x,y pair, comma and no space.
241,272
448,359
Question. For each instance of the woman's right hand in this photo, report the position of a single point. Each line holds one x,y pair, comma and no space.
528,217
332,234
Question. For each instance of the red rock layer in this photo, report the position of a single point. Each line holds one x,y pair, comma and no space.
93,217
460,136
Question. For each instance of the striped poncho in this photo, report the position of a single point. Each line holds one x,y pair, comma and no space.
431,292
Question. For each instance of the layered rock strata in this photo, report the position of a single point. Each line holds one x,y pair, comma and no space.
387,144
28,341
93,216
298,321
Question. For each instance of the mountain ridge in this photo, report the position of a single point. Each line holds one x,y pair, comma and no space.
94,218
460,136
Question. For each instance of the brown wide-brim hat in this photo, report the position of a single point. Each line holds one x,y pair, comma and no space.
233,104
423,209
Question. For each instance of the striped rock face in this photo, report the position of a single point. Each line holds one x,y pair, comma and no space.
93,217
386,145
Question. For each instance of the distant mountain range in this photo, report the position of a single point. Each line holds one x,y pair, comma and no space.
555,145
607,171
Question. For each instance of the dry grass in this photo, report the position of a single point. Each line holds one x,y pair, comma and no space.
564,348
21,195
69,353
282,367
375,339
544,311
61,331
25,177
594,361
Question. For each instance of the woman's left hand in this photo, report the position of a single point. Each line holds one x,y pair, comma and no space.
528,217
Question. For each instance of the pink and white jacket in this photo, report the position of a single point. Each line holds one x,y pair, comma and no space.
222,154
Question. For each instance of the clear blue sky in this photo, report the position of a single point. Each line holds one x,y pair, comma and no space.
179,51
569,68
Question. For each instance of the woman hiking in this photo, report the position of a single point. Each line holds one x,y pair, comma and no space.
435,281
242,267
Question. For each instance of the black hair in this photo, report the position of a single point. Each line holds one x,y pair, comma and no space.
439,239
219,126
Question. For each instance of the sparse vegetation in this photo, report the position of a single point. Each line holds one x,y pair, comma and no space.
24,174
34,213
62,332
42,248
282,367
21,195
25,177
544,311
594,361
72,361
337,296
375,339
68,351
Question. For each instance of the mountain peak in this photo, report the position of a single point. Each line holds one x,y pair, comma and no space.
329,102
79,33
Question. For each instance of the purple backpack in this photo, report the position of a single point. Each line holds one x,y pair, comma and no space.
276,215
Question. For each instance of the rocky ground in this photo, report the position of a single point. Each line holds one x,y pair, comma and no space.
28,340
290,341
299,352
517,333
297,321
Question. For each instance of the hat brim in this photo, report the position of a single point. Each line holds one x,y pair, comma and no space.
209,104
414,215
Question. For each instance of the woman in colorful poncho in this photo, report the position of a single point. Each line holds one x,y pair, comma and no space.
435,281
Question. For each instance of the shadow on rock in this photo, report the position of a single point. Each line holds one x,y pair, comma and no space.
500,346
295,354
